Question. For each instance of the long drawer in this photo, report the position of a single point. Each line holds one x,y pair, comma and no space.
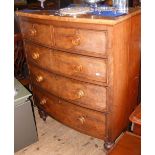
36,32
87,42
76,66
81,93
84,120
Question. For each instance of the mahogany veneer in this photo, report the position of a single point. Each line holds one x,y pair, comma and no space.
84,71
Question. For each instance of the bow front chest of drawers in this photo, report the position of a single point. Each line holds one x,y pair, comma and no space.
84,71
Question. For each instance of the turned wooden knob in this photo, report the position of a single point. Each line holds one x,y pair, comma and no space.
78,68
35,55
32,32
43,101
39,78
76,41
80,94
76,95
81,119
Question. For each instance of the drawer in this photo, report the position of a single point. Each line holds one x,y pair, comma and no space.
87,42
40,33
80,93
75,66
84,120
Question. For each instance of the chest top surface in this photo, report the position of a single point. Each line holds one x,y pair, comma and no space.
85,18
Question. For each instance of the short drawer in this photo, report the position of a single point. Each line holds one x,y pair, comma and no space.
84,120
81,93
79,67
87,42
40,33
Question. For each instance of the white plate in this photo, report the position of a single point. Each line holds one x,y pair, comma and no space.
74,10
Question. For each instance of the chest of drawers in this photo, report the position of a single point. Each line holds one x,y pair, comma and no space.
84,71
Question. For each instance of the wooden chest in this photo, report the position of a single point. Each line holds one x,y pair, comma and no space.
84,71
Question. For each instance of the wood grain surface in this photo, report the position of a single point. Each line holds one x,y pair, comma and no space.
87,45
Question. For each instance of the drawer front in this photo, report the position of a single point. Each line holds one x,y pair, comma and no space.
84,94
87,42
78,67
39,33
84,120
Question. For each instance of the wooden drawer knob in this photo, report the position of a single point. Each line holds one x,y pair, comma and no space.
78,68
43,101
39,78
81,119
76,95
32,32
35,55
80,94
76,41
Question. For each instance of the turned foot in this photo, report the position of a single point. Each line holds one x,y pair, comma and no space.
108,145
42,114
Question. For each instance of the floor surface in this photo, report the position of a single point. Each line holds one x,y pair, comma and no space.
58,139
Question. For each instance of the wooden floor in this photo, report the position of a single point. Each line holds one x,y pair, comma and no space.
58,139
